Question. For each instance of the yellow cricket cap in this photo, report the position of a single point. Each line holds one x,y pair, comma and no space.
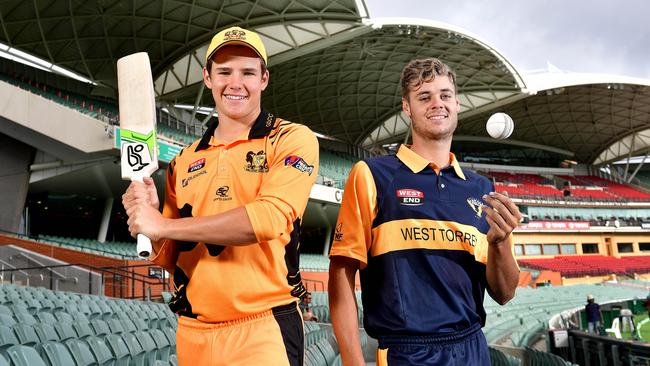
237,36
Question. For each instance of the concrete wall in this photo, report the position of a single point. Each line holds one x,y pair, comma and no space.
14,181
53,120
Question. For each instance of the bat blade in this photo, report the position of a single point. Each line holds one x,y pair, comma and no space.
137,105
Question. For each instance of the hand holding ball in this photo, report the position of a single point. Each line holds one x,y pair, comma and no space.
500,126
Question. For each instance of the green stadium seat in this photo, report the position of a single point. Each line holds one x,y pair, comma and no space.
62,316
19,307
47,305
58,305
7,320
100,328
118,349
24,318
326,349
498,358
24,356
65,331
162,344
135,349
80,352
46,332
141,324
33,305
173,360
317,358
26,334
100,350
83,329
3,361
128,325
7,338
115,326
55,353
148,345
44,317
5,310
171,337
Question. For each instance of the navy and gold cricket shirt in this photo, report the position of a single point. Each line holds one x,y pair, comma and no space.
420,237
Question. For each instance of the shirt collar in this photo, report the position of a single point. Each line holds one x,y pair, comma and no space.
417,163
261,128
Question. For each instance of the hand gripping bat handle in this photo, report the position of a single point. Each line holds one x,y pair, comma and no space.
144,244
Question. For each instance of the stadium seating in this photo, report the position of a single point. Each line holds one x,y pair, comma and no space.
114,249
314,263
583,188
528,313
84,331
335,166
590,265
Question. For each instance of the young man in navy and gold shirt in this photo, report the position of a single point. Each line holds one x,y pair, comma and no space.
428,238
229,228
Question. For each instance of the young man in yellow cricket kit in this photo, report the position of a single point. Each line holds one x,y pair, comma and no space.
229,228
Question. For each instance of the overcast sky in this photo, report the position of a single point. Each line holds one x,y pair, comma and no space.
611,37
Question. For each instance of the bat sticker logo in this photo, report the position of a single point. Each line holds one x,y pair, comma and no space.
134,156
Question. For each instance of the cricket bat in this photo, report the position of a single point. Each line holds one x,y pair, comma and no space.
137,105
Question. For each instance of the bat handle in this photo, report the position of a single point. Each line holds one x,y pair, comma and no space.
144,246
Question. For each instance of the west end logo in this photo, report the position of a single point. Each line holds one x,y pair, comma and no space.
476,205
409,197
234,35
197,165
256,162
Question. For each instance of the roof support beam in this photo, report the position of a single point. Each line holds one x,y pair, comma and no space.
629,178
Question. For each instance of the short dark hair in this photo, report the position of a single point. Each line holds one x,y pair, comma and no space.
424,70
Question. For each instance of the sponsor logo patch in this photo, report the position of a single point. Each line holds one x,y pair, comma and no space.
197,165
298,163
409,197
256,162
338,232
222,194
187,180
476,205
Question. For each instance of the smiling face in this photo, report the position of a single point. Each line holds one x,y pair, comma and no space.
433,108
236,79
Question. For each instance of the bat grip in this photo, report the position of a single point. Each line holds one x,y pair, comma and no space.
144,244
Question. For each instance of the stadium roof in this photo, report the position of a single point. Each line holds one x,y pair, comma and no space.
336,69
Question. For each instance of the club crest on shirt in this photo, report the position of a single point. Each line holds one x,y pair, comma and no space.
298,163
476,205
409,197
256,162
197,165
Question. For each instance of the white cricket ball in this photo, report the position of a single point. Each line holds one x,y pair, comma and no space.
500,126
